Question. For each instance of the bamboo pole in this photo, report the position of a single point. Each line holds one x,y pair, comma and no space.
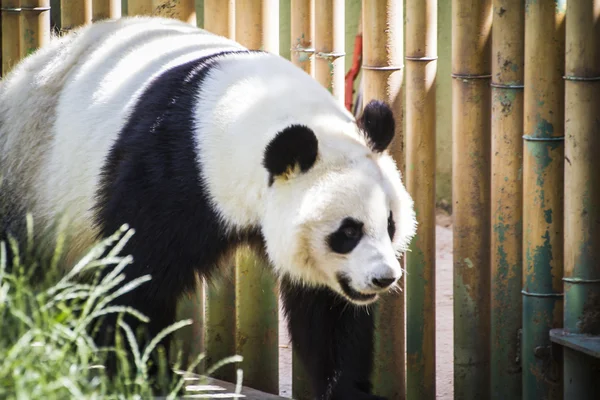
106,9
329,46
183,10
11,37
471,68
382,79
219,17
140,7
302,32
75,13
257,27
543,176
508,30
421,69
582,195
36,25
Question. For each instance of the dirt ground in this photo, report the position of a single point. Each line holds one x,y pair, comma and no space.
444,335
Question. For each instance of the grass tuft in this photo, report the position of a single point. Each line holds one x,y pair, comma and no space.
45,347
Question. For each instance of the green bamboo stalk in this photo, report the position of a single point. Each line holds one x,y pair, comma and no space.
506,197
582,195
543,176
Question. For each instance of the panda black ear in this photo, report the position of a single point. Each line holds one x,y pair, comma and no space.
378,124
294,147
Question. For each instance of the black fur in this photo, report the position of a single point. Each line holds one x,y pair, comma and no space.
391,226
296,144
346,237
378,124
152,181
333,339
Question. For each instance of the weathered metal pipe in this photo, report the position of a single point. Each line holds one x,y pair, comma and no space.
471,72
382,23
421,69
543,177
508,30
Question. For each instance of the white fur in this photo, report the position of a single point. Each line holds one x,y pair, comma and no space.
63,107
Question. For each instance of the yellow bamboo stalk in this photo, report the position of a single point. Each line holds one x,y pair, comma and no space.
257,308
382,79
219,17
75,13
582,195
11,34
184,10
506,198
36,25
140,7
329,46
471,72
302,55
106,9
302,31
421,68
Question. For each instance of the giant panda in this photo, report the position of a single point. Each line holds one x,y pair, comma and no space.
201,145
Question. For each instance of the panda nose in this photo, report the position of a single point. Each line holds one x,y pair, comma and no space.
383,282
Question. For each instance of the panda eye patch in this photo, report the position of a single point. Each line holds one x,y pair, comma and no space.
346,237
391,226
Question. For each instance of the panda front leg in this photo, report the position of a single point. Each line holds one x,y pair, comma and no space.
334,340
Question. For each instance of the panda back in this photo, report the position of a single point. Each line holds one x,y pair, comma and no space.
63,107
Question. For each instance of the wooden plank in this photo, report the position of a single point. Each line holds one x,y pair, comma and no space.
196,387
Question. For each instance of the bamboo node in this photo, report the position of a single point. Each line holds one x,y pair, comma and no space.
580,280
543,139
329,56
35,9
383,68
581,78
11,9
531,294
422,59
506,86
471,76
309,50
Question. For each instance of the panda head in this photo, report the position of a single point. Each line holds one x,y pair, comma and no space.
337,213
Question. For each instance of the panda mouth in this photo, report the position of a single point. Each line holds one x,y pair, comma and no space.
352,294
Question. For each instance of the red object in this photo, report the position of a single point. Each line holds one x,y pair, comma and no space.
353,72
